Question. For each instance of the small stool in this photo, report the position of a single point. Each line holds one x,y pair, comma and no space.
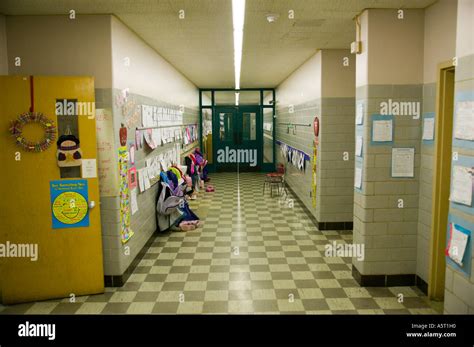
274,179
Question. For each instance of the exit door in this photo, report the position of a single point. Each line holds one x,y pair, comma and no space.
238,138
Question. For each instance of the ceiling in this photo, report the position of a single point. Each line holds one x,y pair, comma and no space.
201,44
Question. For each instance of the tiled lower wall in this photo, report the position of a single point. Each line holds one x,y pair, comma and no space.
302,139
459,291
117,258
389,233
335,176
425,214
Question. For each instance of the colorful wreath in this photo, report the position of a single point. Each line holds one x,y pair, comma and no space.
16,130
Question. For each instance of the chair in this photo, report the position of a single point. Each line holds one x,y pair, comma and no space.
274,180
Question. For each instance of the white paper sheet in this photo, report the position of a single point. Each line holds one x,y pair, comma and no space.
89,168
461,186
133,201
458,244
403,162
141,180
464,120
146,179
358,177
358,150
428,129
360,114
382,130
147,116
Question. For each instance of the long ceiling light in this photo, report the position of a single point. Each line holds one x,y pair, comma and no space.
238,18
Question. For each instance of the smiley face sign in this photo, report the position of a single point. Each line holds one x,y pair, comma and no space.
69,205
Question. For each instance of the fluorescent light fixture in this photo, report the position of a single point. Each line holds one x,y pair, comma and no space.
237,95
238,19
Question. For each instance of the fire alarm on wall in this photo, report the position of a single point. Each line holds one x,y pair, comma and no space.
356,47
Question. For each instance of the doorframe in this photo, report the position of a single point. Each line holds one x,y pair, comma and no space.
215,128
441,169
238,112
241,109
266,167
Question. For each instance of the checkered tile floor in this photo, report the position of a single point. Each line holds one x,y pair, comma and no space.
255,254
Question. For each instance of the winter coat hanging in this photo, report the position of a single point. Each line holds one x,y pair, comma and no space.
69,154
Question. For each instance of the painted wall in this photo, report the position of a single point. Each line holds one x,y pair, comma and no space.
385,71
459,293
395,43
322,86
3,46
57,45
150,80
439,46
302,92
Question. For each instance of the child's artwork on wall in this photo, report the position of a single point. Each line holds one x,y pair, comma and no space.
69,153
132,178
126,231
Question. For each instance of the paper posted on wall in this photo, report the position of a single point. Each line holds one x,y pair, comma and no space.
428,129
358,150
403,162
461,186
464,121
457,244
133,201
358,177
382,130
360,114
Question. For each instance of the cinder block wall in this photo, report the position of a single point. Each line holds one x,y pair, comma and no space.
335,190
143,222
144,78
388,232
426,189
300,92
387,72
329,94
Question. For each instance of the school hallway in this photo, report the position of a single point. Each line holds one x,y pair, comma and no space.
244,157
255,254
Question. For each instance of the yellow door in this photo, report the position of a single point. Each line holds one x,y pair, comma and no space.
69,260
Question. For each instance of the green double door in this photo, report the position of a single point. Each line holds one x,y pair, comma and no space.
238,138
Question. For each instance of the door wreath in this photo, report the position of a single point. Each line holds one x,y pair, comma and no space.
16,130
